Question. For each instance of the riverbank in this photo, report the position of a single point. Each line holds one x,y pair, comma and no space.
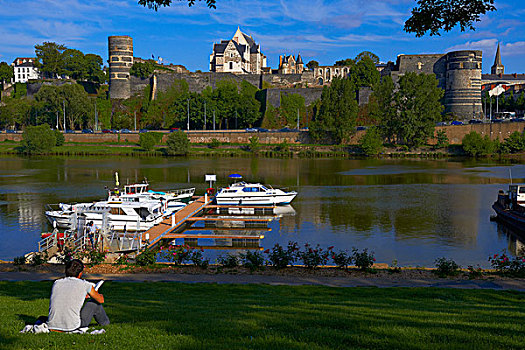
233,316
282,150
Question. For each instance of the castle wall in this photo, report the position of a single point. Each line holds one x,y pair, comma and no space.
273,96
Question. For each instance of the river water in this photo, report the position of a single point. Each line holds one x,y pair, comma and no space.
412,211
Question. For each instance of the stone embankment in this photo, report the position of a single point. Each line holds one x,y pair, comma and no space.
455,134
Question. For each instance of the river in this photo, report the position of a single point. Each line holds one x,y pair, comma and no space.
411,211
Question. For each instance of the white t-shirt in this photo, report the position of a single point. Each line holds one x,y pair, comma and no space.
67,297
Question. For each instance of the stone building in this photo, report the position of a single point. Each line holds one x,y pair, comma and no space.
497,67
325,74
458,73
291,65
239,55
24,69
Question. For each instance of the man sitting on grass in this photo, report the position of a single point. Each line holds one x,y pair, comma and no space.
67,297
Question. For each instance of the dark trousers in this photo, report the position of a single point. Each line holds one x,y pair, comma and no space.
93,309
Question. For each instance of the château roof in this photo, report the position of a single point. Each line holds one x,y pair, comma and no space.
497,59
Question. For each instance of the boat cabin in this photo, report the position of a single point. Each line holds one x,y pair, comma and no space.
136,188
517,194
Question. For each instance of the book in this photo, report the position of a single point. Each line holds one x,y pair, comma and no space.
98,285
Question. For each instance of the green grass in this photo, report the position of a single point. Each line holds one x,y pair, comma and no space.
210,316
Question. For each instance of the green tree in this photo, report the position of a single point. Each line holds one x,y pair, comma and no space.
520,102
147,141
94,71
475,145
371,143
15,112
442,139
385,110
60,139
50,59
178,144
365,73
514,143
312,65
418,108
435,15
373,57
346,62
74,65
292,106
336,119
6,73
142,70
38,139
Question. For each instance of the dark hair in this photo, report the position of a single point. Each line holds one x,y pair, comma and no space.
74,268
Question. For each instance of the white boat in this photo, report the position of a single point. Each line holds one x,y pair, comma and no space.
121,215
142,190
242,193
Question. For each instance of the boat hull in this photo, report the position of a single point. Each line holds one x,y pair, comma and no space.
513,218
256,200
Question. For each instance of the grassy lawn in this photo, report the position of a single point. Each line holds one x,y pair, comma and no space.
210,316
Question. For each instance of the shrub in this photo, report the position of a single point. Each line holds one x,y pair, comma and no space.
60,139
475,145
177,254
254,145
280,257
197,259
446,267
313,257
93,256
66,256
363,260
19,260
123,260
147,141
342,259
514,143
442,139
39,259
507,265
38,139
283,147
214,144
474,272
146,257
229,260
178,144
253,260
372,142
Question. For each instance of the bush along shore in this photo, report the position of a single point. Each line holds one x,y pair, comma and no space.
289,259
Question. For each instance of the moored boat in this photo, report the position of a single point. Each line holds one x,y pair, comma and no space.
510,208
242,193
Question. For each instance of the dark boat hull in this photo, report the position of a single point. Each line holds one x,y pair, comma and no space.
513,218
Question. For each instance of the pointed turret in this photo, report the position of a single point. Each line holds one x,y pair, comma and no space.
299,59
498,67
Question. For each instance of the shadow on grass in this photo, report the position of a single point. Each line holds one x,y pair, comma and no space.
261,316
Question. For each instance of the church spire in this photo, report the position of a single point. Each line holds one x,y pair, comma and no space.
498,67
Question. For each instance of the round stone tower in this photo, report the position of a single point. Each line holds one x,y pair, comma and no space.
120,61
463,84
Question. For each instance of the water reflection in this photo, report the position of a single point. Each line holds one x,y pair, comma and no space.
515,239
410,210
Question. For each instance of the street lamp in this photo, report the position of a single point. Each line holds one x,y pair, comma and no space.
188,126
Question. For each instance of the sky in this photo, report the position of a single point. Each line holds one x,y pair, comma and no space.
322,30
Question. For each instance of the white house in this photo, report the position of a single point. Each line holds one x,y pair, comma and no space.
24,69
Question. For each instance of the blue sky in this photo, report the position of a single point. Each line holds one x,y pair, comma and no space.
324,30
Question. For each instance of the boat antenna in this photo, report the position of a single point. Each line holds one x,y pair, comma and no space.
510,175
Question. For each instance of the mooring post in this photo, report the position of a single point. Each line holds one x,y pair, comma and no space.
172,220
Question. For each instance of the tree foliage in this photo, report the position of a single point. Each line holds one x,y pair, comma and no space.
476,145
142,70
292,107
178,144
373,57
38,139
408,115
336,119
55,60
6,72
156,4
147,141
312,65
434,15
372,142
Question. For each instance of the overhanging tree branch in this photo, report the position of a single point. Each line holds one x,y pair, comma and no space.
156,4
435,15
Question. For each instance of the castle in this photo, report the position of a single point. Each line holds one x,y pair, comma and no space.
459,73
239,55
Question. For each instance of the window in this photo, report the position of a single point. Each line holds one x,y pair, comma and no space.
231,65
522,190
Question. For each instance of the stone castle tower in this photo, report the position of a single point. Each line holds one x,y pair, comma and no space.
497,67
290,64
120,61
